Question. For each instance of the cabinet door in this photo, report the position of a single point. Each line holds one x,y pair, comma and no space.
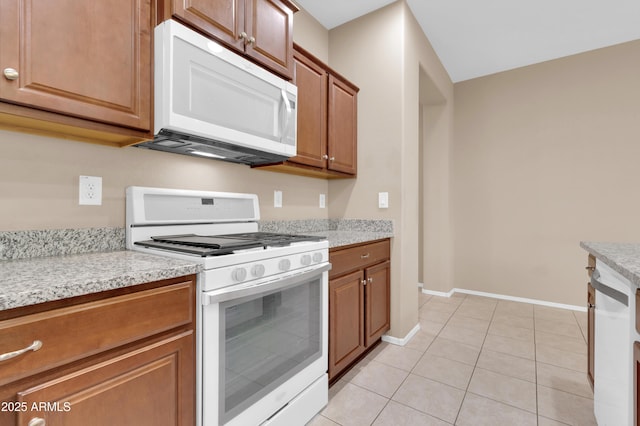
311,80
222,19
591,318
346,321
89,59
377,297
342,124
153,385
269,25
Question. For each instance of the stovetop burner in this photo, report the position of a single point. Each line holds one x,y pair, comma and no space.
216,245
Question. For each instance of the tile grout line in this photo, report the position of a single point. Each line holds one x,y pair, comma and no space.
437,335
475,365
411,371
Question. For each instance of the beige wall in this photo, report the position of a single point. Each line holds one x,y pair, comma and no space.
527,164
39,182
545,156
384,53
39,175
310,34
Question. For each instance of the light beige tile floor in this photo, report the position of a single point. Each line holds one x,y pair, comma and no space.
475,361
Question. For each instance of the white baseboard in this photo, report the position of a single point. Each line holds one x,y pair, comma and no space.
504,297
439,293
402,341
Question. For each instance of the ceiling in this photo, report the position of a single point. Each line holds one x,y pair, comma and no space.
474,38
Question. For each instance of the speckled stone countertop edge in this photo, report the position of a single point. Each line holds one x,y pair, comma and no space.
623,258
30,244
59,242
339,239
30,270
339,232
319,225
27,282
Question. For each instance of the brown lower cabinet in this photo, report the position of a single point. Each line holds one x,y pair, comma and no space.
359,295
124,359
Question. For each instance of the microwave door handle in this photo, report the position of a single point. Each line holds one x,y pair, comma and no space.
287,122
239,291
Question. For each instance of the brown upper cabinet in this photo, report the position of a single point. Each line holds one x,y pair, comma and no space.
327,137
260,29
78,69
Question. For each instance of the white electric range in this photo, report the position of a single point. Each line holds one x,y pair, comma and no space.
262,303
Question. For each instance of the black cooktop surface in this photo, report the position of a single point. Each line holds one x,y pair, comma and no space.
216,245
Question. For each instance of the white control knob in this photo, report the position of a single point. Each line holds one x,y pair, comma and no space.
239,274
257,270
305,259
284,264
317,257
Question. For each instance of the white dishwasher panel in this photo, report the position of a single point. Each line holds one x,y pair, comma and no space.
613,351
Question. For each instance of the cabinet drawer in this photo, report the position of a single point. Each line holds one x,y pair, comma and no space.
358,257
75,332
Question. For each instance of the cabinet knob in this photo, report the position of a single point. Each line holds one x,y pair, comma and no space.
365,256
325,157
37,421
364,282
370,280
332,159
247,40
11,74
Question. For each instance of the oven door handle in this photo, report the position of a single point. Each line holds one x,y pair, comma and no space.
605,289
251,289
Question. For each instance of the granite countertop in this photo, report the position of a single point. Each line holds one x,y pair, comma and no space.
26,282
44,265
623,258
339,232
338,238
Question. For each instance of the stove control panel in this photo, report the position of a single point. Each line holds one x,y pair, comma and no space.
260,269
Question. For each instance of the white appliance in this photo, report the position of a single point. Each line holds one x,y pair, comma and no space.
211,102
262,312
615,333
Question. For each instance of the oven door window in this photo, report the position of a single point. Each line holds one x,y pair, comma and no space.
265,340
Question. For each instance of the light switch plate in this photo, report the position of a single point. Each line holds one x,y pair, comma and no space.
383,200
90,191
277,198
323,201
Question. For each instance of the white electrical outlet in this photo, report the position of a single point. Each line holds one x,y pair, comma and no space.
90,193
383,200
323,201
277,198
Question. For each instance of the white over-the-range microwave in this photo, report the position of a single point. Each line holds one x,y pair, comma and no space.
212,102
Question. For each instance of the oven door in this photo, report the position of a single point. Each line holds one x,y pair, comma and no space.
263,343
